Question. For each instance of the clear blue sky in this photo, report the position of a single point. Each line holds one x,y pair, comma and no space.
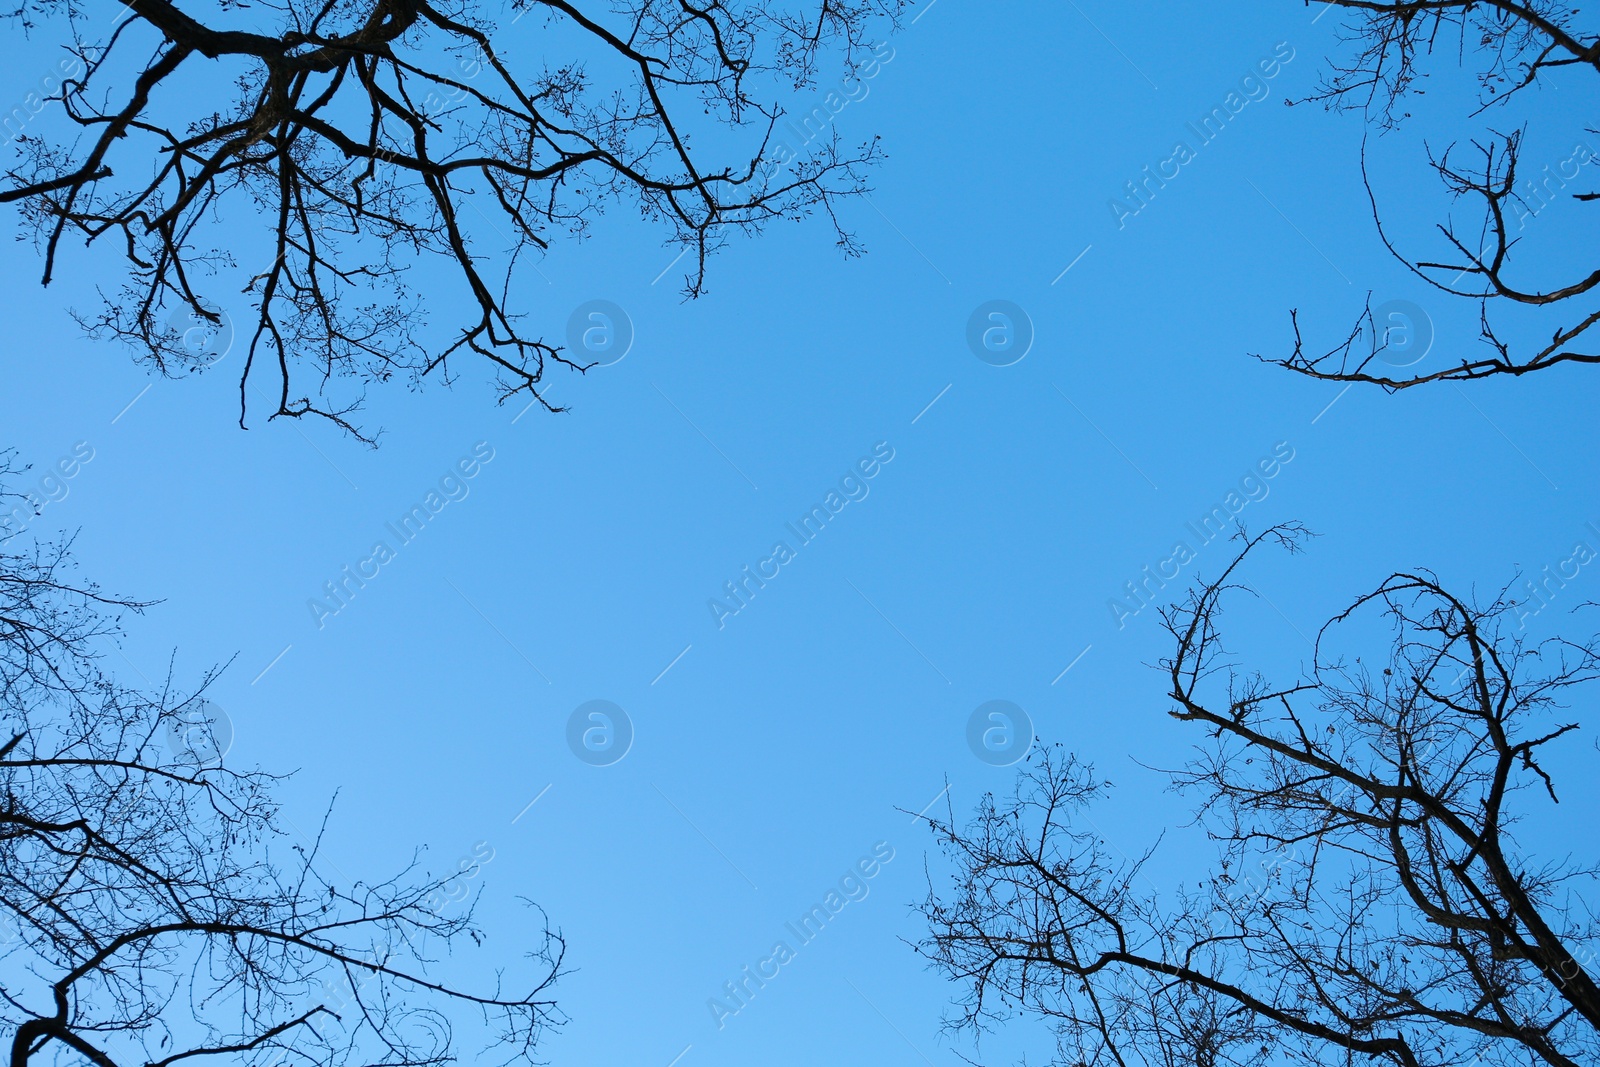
775,751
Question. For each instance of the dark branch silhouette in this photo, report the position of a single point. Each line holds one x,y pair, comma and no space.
314,153
153,910
1370,901
1508,47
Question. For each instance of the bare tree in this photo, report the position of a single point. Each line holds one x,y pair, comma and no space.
153,910
1369,901
314,153
1388,53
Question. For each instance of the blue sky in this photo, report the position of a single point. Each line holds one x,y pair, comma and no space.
774,752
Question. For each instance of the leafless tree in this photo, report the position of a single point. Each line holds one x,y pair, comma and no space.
1369,902
153,910
1388,53
316,152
